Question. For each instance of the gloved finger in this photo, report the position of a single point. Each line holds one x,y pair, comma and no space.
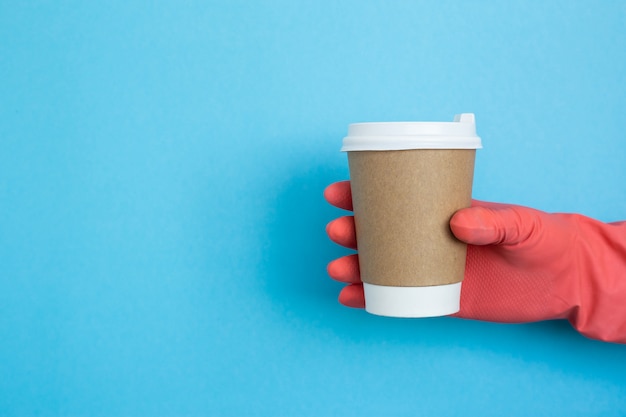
491,224
352,296
339,195
345,269
342,231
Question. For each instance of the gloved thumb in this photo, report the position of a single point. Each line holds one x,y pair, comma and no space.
495,224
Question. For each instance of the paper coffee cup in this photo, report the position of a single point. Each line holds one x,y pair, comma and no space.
408,179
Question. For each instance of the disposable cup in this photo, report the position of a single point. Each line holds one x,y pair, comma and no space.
408,179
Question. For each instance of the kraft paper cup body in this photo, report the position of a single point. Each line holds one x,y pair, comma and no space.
408,179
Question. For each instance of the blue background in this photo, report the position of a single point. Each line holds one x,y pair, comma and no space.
162,244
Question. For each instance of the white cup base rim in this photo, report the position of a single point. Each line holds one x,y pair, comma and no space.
431,301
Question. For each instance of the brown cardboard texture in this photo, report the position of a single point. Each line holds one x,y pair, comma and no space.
403,202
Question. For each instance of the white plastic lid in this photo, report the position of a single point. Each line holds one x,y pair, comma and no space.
438,300
388,136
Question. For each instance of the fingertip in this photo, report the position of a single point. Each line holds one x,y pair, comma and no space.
459,224
474,226
332,228
329,227
329,192
352,296
342,231
332,269
339,194
345,269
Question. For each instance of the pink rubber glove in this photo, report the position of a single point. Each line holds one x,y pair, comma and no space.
523,265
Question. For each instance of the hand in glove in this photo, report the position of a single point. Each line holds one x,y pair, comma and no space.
523,265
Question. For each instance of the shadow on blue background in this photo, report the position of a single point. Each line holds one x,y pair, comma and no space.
298,249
